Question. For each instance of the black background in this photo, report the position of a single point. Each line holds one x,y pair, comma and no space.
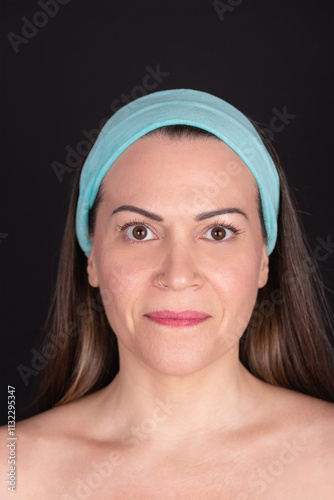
257,55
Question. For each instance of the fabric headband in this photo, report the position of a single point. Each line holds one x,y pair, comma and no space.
170,107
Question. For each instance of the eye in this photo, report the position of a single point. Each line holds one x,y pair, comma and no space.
139,232
222,232
136,231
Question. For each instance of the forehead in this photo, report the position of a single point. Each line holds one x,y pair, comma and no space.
162,168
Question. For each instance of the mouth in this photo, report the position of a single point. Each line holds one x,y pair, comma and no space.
172,318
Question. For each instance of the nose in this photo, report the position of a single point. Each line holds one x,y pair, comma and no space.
180,267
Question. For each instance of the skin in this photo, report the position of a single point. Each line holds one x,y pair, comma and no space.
183,418
219,279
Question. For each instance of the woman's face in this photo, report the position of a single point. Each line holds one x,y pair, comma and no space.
207,268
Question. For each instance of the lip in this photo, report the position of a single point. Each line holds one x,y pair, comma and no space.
177,315
178,319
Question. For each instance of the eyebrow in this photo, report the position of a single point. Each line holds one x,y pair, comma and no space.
199,217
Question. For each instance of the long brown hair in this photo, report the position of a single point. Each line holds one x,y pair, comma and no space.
288,341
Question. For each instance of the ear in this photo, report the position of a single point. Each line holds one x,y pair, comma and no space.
264,267
92,271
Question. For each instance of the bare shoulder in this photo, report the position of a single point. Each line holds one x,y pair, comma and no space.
295,411
312,422
43,446
305,428
294,447
308,411
56,426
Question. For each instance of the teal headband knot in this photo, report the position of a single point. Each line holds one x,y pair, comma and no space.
182,107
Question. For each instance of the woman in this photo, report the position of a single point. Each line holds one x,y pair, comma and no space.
190,355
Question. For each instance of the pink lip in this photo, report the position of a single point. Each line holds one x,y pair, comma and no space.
184,318
177,315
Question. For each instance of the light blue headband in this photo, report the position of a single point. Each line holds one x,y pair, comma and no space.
170,107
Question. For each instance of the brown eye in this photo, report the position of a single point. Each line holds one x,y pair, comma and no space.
139,232
218,233
136,232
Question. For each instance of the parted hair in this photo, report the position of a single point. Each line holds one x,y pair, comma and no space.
288,341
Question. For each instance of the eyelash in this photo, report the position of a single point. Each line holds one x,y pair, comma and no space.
217,223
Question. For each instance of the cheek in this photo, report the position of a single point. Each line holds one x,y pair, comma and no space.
120,281
237,284
120,275
115,280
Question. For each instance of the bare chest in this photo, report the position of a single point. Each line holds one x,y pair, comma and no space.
286,470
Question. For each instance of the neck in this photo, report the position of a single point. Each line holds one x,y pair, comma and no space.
159,407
